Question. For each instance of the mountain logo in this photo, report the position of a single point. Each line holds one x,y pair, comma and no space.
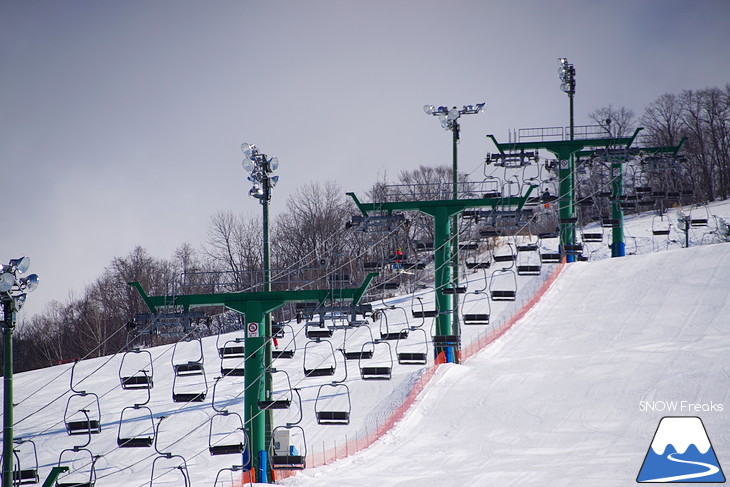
680,452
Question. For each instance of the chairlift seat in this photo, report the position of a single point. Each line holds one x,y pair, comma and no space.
489,232
453,290
190,368
659,232
74,484
137,382
503,295
83,427
315,333
320,372
412,358
235,448
698,222
25,476
478,265
569,221
359,355
394,335
529,247
135,442
609,222
529,270
574,247
476,318
550,257
446,340
275,404
504,257
288,462
592,237
333,417
376,373
188,397
388,285
424,314
233,371
233,351
413,265
282,354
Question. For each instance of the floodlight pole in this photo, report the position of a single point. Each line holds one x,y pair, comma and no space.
9,312
450,121
566,170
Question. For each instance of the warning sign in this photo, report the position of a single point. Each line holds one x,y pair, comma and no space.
253,330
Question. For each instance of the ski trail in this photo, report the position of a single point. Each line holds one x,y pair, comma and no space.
711,470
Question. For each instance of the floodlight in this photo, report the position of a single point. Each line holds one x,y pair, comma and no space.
273,180
453,114
429,109
7,280
20,301
562,60
30,283
256,192
21,265
565,87
273,164
247,165
248,149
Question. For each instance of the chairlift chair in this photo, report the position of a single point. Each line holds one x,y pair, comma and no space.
85,478
25,472
331,412
504,293
139,375
325,367
701,221
135,436
286,454
82,421
290,348
660,228
188,367
407,355
181,467
476,318
384,369
231,356
509,256
359,352
234,469
317,330
233,442
386,333
278,401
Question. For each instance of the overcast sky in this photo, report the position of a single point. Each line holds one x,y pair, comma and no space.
121,122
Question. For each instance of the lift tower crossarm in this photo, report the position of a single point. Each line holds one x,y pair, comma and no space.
442,211
254,306
566,151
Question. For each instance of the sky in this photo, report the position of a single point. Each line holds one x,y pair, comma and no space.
121,122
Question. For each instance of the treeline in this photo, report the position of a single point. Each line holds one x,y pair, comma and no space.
313,246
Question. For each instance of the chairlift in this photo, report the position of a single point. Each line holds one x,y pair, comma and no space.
701,221
182,365
550,255
661,227
232,354
359,352
476,318
507,292
136,372
290,348
322,365
421,312
275,399
407,353
491,187
84,475
505,256
383,362
232,436
25,472
386,333
288,451
177,464
235,479
317,330
331,408
130,433
83,411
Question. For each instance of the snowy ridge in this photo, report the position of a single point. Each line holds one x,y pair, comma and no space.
680,433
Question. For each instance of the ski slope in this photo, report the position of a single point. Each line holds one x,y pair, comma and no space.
555,399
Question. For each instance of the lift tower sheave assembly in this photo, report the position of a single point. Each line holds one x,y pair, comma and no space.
565,151
254,306
442,211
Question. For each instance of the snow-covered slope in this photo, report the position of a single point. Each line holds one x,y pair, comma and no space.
557,400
